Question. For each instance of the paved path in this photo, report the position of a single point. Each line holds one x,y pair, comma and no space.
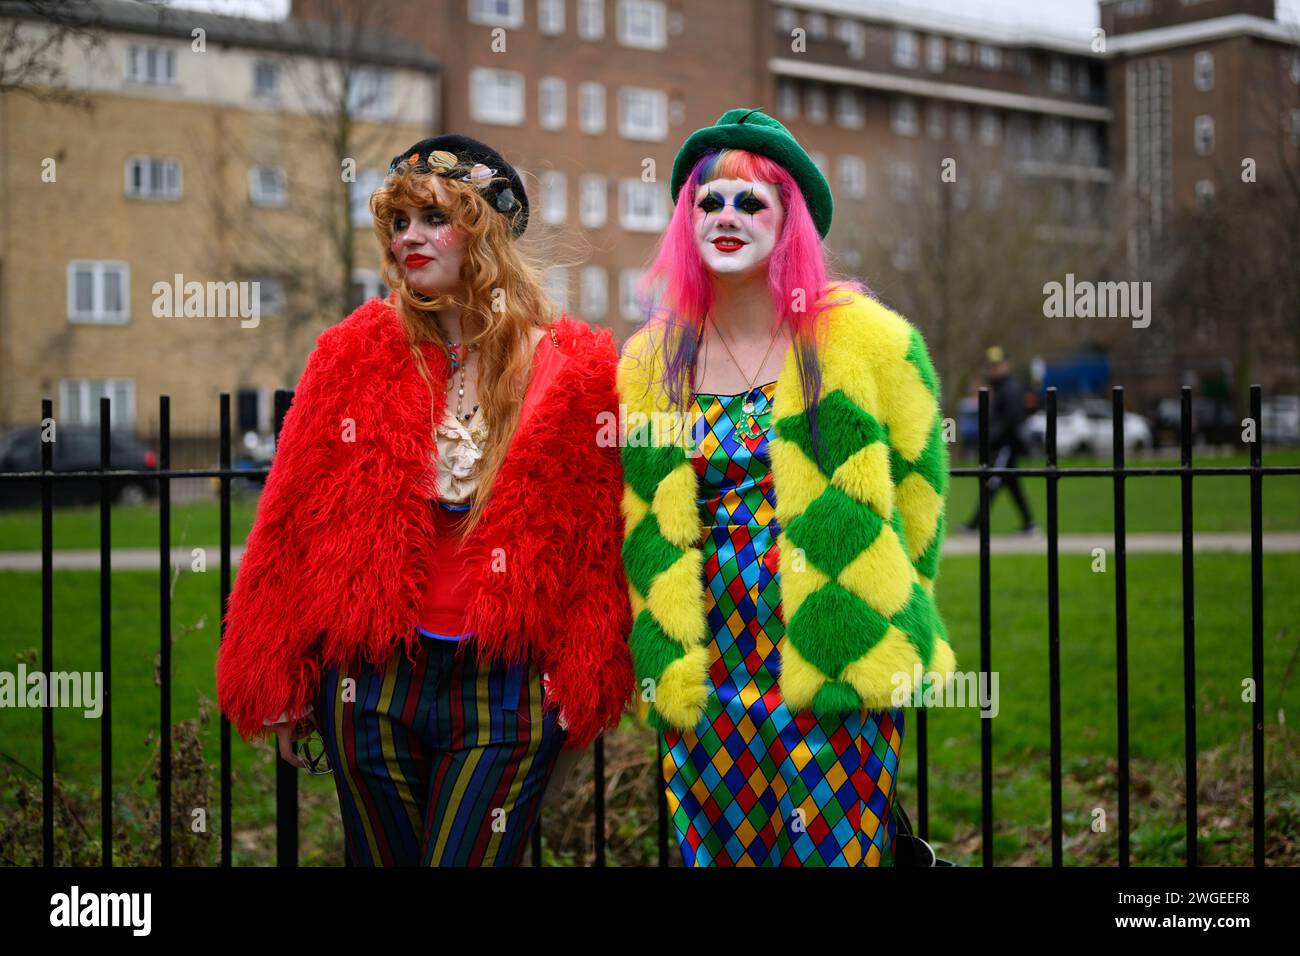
145,559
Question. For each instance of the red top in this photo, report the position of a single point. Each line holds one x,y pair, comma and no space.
446,596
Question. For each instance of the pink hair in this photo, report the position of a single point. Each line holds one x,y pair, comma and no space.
676,290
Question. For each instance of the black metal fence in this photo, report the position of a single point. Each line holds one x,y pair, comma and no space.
287,776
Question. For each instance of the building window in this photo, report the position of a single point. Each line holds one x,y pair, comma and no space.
591,19
814,104
555,197
1082,79
786,20
592,192
989,57
641,206
151,64
934,119
820,161
360,191
787,99
1058,138
642,113
496,96
904,257
550,102
991,190
1134,8
905,48
817,27
902,179
1204,191
853,176
1205,135
961,52
934,54
268,186
961,123
1204,70
961,192
556,279
1019,136
367,284
98,291
150,178
79,401
1058,74
628,307
370,94
266,80
641,23
591,107
850,110
1087,145
497,13
550,16
593,294
902,116
1295,68
269,291
853,34
990,129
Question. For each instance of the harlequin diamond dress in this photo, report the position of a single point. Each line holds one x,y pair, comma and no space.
754,784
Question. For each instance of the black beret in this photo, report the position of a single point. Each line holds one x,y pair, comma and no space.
457,156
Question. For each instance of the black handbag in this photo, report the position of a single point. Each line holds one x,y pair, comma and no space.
910,849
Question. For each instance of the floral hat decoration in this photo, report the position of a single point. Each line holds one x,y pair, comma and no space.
461,157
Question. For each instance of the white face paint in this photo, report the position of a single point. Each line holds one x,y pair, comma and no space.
737,223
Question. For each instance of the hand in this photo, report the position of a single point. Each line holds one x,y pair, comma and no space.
286,732
546,690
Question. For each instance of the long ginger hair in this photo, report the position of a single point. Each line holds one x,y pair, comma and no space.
501,293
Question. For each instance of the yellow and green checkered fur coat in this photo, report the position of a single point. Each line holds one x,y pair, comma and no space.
860,534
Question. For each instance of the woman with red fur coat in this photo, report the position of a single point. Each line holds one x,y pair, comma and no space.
434,578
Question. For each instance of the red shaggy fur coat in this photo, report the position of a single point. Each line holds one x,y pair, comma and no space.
338,557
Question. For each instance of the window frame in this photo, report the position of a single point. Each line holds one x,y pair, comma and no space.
483,112
97,314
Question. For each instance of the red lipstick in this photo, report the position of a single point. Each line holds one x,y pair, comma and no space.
728,243
415,260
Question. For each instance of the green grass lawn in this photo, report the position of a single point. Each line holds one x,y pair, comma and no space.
1020,730
1222,503
1086,504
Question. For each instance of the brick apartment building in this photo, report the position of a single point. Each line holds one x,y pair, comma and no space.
1101,134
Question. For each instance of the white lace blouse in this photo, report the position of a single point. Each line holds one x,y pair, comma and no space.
460,446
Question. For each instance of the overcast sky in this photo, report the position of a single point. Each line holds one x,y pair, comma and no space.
1058,16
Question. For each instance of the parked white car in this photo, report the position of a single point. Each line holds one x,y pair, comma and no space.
1086,428
1280,419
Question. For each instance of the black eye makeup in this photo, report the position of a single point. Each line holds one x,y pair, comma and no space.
711,203
433,215
746,202
750,203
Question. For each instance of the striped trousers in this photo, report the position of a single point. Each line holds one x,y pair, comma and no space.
438,761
